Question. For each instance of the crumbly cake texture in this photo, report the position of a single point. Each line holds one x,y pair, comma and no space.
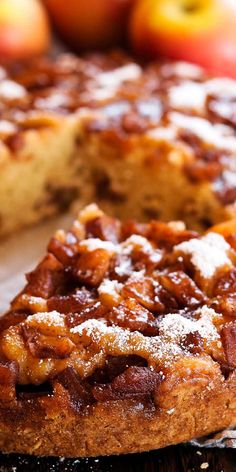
104,128
123,340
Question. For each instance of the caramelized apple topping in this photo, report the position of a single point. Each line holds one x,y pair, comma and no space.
43,346
145,291
226,283
114,307
60,250
228,335
226,305
131,315
46,279
207,258
72,303
169,235
104,228
11,318
90,267
134,382
79,392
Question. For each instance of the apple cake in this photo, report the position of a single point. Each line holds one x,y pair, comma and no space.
123,340
155,140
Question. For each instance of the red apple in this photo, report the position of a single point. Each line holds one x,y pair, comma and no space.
200,31
90,24
24,29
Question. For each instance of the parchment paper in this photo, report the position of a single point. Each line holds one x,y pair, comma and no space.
20,254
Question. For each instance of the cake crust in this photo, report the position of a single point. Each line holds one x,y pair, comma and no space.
122,340
122,426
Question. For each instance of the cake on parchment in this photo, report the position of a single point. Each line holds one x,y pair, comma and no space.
123,340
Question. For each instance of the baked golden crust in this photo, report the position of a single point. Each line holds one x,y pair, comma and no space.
85,129
123,340
122,426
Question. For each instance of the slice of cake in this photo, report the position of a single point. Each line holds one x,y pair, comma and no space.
144,141
123,340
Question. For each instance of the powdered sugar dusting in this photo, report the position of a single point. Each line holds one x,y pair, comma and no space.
89,213
206,323
169,133
6,127
110,287
91,244
121,74
90,326
207,254
52,102
191,95
10,90
52,318
220,136
175,326
133,242
183,69
108,83
120,341
124,268
222,86
140,243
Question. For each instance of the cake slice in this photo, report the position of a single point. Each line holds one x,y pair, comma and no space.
123,340
128,136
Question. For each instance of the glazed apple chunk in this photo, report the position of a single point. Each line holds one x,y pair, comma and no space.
122,307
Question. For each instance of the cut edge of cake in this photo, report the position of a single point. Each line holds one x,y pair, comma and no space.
104,128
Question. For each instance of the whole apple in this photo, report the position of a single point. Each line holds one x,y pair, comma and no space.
90,24
200,31
24,29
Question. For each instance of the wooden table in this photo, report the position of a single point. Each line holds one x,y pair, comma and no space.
172,459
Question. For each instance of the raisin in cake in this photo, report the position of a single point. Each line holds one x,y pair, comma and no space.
130,137
123,340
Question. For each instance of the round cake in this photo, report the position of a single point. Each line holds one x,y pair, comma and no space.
123,340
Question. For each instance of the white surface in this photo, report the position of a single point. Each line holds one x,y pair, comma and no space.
20,254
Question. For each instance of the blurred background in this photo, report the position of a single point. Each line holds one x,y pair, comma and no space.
199,31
